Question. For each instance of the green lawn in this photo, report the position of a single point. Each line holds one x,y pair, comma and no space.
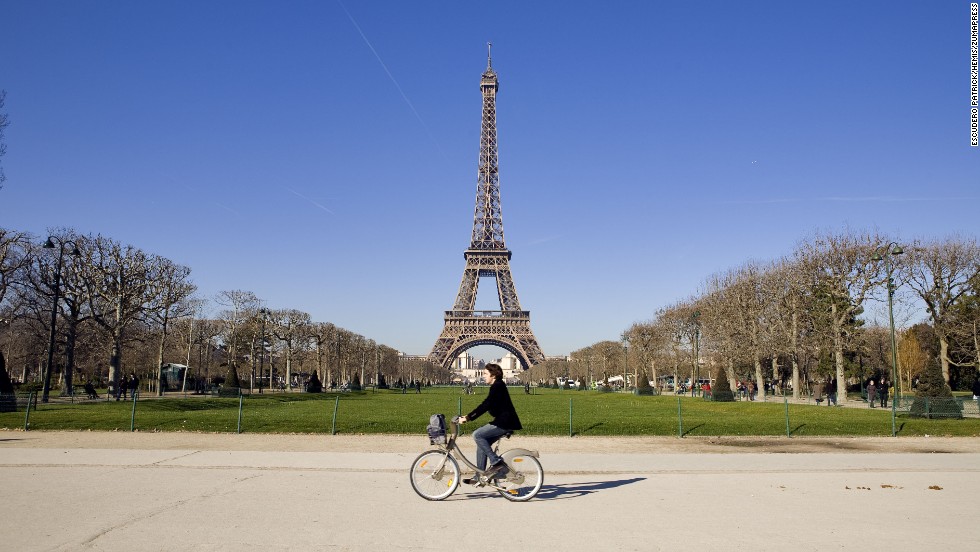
544,413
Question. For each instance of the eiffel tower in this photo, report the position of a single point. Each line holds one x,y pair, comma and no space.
510,327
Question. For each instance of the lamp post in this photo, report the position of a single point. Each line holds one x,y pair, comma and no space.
885,253
697,351
265,313
50,244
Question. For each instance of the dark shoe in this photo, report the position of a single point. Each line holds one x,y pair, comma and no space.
472,480
497,469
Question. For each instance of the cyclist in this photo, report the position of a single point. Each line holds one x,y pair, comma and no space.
504,421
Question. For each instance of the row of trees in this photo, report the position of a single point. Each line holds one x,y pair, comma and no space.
122,310
800,319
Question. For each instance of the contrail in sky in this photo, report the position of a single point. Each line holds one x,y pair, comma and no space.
310,200
392,77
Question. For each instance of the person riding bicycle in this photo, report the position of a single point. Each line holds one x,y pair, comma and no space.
504,421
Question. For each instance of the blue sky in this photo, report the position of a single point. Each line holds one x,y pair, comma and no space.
324,154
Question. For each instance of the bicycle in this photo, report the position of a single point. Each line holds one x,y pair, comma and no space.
435,473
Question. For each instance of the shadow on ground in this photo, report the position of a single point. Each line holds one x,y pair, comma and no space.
574,490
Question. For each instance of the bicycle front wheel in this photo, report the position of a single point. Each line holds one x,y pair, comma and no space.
434,475
524,479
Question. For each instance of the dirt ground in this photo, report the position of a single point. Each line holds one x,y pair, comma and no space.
414,443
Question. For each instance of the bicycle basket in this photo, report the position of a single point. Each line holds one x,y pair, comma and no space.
437,429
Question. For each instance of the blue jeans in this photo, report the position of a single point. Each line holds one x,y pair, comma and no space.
485,437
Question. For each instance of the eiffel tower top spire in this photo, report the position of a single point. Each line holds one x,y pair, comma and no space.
488,224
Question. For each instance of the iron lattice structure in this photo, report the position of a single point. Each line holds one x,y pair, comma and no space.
510,327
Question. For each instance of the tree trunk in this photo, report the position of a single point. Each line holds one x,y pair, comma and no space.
839,362
319,364
289,365
775,372
760,385
190,345
163,342
944,355
67,387
115,361
796,379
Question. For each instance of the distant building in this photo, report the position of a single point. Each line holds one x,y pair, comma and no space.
467,368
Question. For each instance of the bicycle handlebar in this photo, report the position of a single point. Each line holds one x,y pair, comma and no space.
455,422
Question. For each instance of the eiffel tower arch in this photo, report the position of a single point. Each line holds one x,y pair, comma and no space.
487,256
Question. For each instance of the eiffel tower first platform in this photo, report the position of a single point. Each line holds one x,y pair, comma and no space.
510,327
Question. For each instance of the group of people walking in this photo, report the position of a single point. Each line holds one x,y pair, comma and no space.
878,393
132,385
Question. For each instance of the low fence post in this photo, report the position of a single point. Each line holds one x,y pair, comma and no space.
27,416
132,420
241,401
680,419
786,406
333,424
459,406
569,417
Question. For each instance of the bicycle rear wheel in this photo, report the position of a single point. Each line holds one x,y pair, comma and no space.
434,475
524,479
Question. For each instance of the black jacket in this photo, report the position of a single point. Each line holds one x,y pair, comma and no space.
500,407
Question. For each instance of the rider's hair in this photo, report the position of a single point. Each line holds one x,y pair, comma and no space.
495,370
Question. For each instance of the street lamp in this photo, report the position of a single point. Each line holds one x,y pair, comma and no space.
889,250
50,244
697,351
265,313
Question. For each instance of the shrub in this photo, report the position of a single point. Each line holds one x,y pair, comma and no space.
933,398
642,384
314,385
721,391
231,378
8,403
355,384
5,386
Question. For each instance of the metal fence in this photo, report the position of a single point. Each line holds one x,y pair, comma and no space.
544,412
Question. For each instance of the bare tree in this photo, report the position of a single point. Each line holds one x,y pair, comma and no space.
648,341
322,335
791,315
940,272
964,329
169,291
40,277
290,326
118,292
744,305
241,307
842,269
14,247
